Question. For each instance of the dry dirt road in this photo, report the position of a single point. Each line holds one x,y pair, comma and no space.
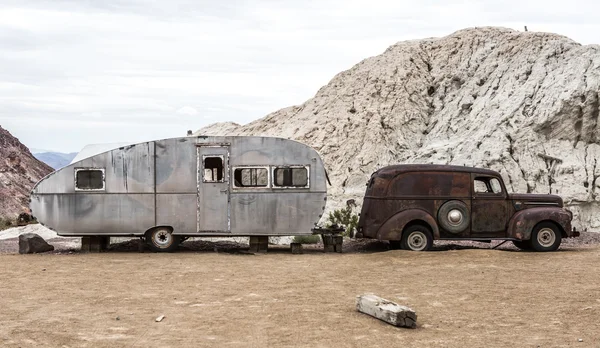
463,298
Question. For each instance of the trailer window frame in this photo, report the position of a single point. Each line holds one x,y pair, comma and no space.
251,187
291,167
89,169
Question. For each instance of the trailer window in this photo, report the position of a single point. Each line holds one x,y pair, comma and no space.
251,177
213,169
291,177
89,179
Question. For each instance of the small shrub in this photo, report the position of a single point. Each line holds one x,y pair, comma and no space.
346,218
314,239
5,223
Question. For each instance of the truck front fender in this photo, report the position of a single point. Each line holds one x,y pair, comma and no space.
393,227
522,223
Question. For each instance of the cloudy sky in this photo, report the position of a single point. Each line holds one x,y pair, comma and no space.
95,71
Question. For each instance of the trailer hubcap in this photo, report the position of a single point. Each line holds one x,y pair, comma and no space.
546,237
162,238
455,217
417,241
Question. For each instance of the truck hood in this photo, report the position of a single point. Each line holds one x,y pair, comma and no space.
531,199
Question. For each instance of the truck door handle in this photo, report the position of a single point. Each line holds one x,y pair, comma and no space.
224,191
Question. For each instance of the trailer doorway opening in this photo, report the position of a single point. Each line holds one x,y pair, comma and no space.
213,169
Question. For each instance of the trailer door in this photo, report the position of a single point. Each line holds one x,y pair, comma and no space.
213,189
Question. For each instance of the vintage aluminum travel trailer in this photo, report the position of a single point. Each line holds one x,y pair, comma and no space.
169,189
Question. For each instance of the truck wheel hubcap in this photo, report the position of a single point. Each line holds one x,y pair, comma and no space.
162,238
455,217
417,241
546,237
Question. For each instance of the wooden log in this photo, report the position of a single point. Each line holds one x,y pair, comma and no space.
259,244
337,240
388,311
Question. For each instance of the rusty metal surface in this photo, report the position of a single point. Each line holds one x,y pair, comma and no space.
399,195
523,222
158,183
393,227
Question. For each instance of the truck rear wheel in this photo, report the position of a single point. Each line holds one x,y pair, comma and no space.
417,238
545,236
161,239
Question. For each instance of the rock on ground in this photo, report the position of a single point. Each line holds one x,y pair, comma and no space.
523,103
390,312
31,243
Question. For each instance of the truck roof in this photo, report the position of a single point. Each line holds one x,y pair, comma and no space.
402,168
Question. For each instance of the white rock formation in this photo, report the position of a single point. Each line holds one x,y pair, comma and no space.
523,103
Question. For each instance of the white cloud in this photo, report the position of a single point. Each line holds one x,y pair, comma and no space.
188,111
78,72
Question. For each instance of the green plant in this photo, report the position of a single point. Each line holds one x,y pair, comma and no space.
314,239
345,217
5,223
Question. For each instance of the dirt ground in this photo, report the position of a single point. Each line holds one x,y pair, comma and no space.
464,295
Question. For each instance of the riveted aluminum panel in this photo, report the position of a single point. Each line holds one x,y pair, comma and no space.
178,211
95,213
278,213
176,169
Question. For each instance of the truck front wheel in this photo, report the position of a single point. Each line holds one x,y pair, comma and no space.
546,236
522,244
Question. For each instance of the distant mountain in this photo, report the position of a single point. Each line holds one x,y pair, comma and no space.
19,171
55,160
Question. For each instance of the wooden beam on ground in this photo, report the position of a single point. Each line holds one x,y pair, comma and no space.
259,244
388,311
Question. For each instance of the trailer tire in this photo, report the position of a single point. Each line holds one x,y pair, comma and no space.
454,216
161,239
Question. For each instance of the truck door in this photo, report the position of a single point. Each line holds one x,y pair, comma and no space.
489,207
213,189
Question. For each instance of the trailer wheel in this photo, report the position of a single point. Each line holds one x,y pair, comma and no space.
545,237
161,239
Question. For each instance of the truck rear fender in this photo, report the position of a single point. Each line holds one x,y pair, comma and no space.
393,227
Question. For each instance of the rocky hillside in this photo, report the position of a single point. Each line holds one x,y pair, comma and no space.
19,171
523,103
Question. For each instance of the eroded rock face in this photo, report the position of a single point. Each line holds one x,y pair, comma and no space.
19,171
523,103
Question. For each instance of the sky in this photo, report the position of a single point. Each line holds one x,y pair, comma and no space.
101,71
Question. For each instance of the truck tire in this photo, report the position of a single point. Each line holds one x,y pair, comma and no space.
546,236
417,238
161,239
454,217
522,244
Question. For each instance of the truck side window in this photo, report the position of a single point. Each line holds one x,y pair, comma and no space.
89,179
291,177
251,177
480,186
213,169
495,184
